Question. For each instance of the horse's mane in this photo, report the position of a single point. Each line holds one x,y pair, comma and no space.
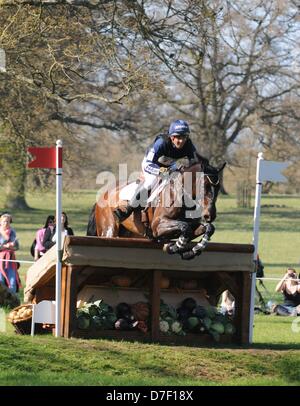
204,162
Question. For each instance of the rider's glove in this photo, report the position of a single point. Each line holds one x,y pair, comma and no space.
163,170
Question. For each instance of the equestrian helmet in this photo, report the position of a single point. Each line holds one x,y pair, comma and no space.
179,127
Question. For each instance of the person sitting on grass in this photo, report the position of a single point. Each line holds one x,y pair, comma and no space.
289,286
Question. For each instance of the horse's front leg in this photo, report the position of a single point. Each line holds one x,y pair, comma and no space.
168,228
207,230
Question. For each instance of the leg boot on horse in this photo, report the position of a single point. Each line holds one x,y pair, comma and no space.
139,199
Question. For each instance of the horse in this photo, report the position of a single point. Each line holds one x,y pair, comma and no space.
166,222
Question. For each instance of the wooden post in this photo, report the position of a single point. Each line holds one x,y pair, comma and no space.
246,295
71,298
155,304
63,298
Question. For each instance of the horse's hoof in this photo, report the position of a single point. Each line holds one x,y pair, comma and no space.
170,248
188,255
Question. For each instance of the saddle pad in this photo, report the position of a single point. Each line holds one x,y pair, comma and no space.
128,191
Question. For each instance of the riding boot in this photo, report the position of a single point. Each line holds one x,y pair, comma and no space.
133,204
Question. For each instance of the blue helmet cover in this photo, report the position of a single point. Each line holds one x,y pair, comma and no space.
179,127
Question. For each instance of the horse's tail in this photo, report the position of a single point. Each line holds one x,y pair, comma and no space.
91,228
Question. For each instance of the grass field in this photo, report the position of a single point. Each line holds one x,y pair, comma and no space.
273,359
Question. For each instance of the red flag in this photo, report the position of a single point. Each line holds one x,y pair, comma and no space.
45,157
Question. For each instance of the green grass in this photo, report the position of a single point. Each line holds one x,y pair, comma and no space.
44,360
273,359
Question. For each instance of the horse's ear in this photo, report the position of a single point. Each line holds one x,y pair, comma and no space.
221,167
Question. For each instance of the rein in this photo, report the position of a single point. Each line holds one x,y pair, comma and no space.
211,182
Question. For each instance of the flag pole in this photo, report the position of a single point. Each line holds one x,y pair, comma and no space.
256,221
58,237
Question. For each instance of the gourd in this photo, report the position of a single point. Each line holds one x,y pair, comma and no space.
164,282
121,280
190,284
140,311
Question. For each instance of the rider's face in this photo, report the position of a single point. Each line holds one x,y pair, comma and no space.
178,140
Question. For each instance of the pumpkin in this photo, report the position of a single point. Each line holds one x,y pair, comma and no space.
121,280
190,284
164,282
140,311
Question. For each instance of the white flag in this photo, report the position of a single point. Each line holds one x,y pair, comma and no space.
270,170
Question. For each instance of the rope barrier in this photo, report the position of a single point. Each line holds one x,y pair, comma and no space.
19,261
276,279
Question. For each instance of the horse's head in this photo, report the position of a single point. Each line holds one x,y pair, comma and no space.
208,184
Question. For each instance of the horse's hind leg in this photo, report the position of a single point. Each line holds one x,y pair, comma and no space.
105,222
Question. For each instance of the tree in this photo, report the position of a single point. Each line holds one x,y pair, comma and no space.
65,64
230,62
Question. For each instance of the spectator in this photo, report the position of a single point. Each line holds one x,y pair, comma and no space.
39,249
5,213
9,275
50,233
227,303
289,286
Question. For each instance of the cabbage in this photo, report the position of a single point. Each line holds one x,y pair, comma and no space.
163,326
83,311
211,311
192,322
176,327
93,310
83,322
221,318
112,317
207,322
218,327
229,328
107,322
167,310
97,322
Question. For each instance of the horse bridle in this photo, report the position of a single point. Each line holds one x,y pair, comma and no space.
211,182
190,197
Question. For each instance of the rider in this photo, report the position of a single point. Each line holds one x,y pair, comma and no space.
160,157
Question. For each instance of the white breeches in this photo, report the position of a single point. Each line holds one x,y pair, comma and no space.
150,179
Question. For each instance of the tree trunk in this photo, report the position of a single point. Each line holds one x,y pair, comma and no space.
222,187
14,171
15,191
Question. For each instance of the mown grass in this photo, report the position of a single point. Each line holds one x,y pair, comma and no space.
44,360
273,359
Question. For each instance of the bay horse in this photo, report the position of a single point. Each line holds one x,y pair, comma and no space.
165,223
